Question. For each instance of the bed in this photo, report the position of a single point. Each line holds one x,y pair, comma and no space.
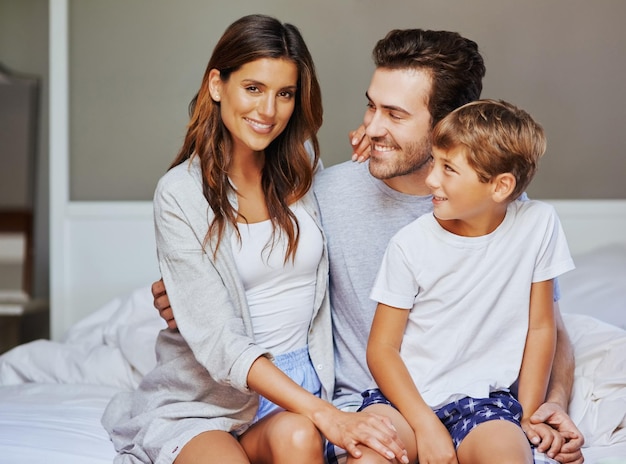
53,392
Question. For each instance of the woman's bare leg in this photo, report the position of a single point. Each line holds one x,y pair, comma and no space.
496,441
283,438
405,432
214,447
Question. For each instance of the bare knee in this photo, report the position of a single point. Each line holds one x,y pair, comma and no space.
212,447
368,456
296,433
498,442
278,438
404,432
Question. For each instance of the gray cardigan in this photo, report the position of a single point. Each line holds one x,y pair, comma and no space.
199,382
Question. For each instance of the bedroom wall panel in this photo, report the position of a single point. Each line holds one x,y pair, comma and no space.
109,250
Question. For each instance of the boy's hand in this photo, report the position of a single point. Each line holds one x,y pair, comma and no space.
543,437
434,444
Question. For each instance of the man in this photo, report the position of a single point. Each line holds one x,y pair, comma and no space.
420,77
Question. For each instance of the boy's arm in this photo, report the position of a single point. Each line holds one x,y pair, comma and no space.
393,378
538,354
562,378
554,411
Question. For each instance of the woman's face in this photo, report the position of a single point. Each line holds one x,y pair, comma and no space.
256,102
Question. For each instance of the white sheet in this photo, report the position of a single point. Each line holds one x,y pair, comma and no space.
113,346
598,402
54,423
594,306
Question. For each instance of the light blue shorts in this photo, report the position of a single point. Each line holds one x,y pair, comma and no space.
299,368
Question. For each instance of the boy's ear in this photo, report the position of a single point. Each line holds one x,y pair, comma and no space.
504,184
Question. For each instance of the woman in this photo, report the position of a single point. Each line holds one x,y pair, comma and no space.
241,250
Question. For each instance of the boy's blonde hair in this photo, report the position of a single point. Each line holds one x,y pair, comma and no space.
497,137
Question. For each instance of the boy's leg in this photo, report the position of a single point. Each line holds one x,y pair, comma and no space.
405,432
542,458
494,442
335,455
491,426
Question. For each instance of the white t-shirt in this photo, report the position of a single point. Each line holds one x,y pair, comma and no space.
469,298
280,295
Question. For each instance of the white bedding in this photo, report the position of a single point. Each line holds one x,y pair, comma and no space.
54,423
53,394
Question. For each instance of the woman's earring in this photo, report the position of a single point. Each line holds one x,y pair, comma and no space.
216,97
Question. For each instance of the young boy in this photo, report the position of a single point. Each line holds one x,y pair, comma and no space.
464,295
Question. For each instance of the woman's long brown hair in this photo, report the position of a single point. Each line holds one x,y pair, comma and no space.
288,171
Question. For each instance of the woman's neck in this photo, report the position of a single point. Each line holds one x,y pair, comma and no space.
246,168
245,173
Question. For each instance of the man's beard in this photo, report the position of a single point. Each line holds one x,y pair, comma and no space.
409,159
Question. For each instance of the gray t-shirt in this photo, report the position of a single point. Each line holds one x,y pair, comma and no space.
360,214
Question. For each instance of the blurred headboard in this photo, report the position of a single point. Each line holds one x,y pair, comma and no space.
108,249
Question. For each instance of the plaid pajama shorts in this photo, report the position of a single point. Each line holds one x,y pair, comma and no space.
459,417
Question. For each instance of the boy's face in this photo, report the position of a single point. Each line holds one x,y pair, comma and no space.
458,193
397,122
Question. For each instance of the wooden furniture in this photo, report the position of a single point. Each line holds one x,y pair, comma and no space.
22,317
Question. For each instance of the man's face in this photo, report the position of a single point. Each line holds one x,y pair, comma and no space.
397,122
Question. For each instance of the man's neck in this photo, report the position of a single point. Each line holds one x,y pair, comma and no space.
410,184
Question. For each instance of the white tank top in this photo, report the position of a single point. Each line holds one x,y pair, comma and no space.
280,295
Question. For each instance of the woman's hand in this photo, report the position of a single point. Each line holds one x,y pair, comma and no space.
360,144
349,429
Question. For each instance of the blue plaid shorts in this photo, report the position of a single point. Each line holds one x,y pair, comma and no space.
459,417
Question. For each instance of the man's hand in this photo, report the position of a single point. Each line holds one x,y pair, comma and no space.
360,144
545,438
554,415
162,303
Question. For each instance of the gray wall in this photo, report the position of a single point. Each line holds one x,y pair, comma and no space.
136,64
